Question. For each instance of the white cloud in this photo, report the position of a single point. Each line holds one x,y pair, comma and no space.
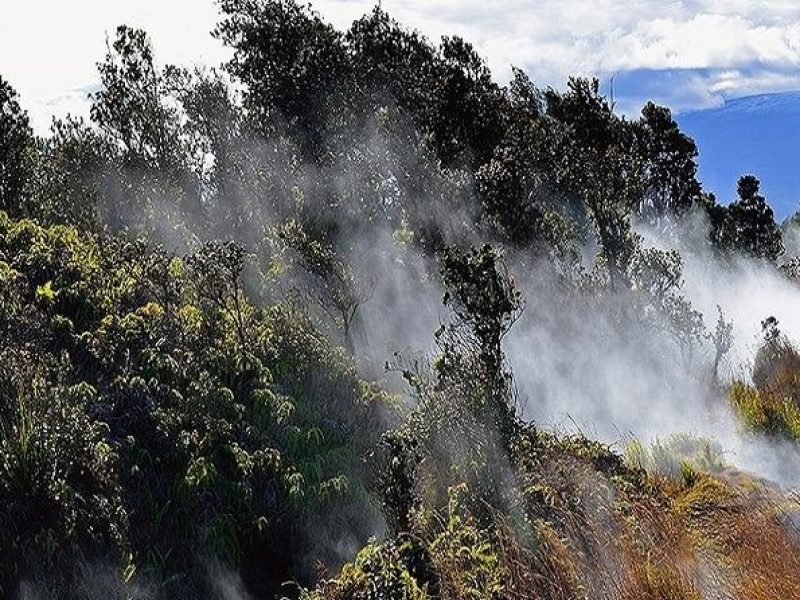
48,47
603,35
551,39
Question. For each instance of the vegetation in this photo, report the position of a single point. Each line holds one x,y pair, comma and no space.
189,381
150,409
772,403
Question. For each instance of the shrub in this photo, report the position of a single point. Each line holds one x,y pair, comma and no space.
172,418
379,571
765,412
465,555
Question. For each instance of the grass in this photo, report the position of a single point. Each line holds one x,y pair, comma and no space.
764,411
771,404
684,531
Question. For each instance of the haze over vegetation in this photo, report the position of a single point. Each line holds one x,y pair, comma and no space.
347,319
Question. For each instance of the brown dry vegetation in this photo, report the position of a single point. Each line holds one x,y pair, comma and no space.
594,528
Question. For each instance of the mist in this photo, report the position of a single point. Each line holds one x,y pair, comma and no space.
581,361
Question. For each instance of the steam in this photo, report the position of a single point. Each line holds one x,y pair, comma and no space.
591,369
791,238
225,584
579,362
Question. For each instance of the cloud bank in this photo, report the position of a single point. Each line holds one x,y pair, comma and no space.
707,50
688,54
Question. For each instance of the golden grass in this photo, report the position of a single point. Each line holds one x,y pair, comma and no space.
685,536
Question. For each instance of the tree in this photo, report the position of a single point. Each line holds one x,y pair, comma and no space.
594,159
393,65
656,277
469,119
515,186
751,227
722,339
218,269
151,178
69,167
294,65
130,107
16,149
448,90
717,215
329,282
486,304
670,167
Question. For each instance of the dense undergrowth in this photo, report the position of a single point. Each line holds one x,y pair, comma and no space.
591,527
155,419
192,398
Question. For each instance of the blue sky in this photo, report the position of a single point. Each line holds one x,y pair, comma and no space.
756,134
688,54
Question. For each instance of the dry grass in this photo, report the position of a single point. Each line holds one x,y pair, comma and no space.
766,559
590,533
543,570
686,538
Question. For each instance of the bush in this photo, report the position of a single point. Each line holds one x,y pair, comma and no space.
59,488
379,571
772,404
172,420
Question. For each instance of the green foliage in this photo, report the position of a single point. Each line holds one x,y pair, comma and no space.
482,295
466,556
461,560
379,571
595,161
762,412
328,282
293,64
68,175
129,106
396,479
656,279
167,415
772,404
671,172
776,367
59,487
748,224
462,427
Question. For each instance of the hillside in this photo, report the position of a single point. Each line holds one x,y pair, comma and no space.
346,319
